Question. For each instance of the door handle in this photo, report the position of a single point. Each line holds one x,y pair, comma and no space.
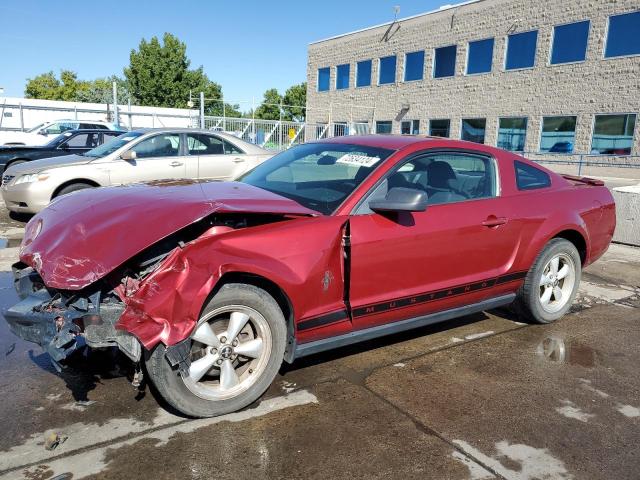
175,163
238,160
493,221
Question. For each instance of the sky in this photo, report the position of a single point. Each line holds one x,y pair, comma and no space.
247,46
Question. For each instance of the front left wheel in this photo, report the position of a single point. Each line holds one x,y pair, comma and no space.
236,351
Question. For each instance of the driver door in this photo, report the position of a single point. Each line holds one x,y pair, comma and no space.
408,264
157,158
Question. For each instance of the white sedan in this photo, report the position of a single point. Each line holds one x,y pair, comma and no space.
138,156
44,132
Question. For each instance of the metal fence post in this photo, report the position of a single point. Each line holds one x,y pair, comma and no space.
21,118
116,112
580,165
201,109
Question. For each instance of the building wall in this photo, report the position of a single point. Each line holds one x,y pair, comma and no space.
596,85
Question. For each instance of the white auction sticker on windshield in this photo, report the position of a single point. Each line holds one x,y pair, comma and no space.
359,160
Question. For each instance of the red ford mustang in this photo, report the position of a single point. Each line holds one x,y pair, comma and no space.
212,285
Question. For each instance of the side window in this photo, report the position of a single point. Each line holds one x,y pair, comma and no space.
79,141
446,177
204,145
530,178
163,145
231,149
93,126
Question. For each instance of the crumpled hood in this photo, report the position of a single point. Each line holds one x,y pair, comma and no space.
37,166
81,237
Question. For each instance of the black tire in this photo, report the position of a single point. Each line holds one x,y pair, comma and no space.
15,162
528,303
74,187
170,384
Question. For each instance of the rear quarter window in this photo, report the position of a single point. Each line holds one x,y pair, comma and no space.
530,178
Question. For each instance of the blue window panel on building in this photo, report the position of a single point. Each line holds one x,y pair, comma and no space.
363,74
613,134
445,62
521,50
570,42
480,56
414,66
387,70
324,75
342,76
623,37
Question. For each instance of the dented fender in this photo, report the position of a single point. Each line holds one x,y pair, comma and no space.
307,267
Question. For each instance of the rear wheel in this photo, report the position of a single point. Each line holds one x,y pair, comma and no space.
236,351
74,187
551,284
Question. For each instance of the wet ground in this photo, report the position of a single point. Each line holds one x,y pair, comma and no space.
477,398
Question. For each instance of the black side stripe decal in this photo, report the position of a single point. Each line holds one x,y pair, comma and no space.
404,302
322,320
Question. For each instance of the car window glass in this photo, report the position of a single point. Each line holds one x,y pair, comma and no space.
91,125
231,149
79,141
204,145
60,127
530,178
317,176
445,177
163,145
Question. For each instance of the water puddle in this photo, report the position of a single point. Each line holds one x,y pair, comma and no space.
555,349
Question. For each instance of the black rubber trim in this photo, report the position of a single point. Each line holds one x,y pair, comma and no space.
317,346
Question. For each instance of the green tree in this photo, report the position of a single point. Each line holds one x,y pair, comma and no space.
269,109
294,101
48,87
159,75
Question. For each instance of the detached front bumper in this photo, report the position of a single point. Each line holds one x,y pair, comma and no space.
62,322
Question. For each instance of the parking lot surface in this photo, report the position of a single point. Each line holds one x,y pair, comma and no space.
481,397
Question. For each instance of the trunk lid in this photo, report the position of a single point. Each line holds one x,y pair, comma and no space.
83,236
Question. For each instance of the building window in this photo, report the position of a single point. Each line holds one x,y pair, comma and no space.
530,178
570,42
558,134
480,56
623,37
383,126
521,50
414,66
363,74
342,76
387,72
473,129
613,134
444,62
324,75
439,128
410,127
512,133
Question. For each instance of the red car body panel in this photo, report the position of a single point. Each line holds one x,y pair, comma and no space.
424,262
71,243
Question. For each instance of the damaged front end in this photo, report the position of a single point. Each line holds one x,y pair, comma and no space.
62,322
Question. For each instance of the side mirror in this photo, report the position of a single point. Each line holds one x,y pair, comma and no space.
43,133
129,155
401,199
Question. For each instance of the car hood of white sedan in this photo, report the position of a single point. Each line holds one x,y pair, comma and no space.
25,138
37,166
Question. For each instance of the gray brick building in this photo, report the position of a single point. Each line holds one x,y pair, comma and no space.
543,75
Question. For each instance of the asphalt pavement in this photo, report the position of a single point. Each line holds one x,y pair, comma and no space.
480,397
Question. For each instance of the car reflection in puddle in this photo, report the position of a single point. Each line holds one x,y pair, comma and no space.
556,349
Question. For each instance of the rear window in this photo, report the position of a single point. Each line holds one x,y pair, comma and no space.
530,178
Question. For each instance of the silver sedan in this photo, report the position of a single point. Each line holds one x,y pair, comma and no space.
137,156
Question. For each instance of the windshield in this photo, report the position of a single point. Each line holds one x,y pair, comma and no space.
36,128
319,176
111,146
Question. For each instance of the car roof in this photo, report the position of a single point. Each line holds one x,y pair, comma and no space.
94,130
